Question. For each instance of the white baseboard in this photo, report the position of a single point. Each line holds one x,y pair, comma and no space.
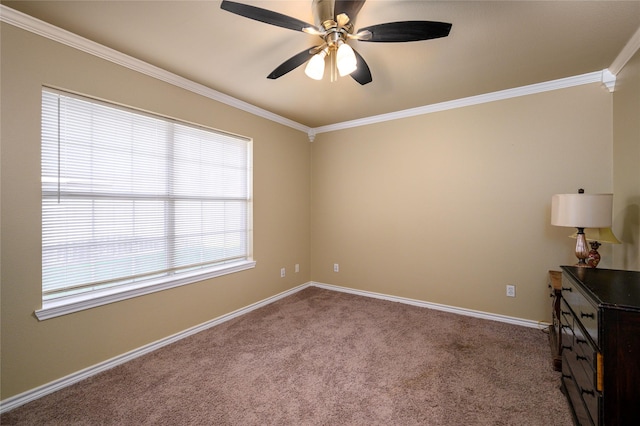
460,311
33,394
40,391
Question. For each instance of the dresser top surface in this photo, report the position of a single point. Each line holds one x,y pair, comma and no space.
609,286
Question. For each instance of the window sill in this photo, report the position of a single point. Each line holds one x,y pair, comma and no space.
71,304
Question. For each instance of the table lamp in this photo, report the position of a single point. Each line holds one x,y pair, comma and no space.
582,211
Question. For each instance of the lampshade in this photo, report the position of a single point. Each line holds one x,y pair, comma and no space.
315,67
601,235
346,60
582,210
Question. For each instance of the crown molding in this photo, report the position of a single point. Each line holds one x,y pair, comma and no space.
563,83
44,29
627,52
36,26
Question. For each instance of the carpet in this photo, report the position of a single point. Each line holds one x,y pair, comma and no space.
320,357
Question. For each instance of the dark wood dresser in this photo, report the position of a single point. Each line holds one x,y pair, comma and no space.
600,335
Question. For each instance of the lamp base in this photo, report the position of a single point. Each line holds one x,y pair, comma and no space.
581,249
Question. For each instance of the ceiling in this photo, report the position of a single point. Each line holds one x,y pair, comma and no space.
492,46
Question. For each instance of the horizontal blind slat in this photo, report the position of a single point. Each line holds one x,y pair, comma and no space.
129,197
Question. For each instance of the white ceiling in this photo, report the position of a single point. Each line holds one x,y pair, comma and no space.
492,46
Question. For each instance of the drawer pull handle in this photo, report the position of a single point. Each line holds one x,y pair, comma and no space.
566,326
565,312
583,315
590,392
566,376
570,348
581,341
581,358
566,289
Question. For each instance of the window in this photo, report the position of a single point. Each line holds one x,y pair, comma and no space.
134,203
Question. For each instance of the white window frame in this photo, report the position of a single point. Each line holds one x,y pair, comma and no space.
62,304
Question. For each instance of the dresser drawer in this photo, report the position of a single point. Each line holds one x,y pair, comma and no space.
575,341
579,355
585,380
583,348
566,328
574,394
586,313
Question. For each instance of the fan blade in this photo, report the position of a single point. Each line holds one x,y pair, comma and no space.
264,15
292,63
393,32
362,74
350,7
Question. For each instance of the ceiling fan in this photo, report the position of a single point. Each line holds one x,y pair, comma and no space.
334,24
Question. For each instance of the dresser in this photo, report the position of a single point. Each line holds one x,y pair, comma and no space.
600,341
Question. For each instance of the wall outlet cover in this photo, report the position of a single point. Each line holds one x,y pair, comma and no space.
511,290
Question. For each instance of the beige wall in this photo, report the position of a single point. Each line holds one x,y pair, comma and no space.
34,353
626,165
446,208
451,207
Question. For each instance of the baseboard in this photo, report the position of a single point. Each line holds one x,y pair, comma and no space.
460,311
33,394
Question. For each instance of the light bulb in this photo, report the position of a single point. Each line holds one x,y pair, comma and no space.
315,67
346,60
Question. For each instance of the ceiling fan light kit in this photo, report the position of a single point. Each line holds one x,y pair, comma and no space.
346,60
315,67
335,26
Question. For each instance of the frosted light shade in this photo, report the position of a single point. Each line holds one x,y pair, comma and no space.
346,60
582,210
315,67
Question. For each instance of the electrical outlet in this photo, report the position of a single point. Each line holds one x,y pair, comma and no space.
511,290
297,268
283,272
336,267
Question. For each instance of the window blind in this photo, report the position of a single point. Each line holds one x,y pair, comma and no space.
133,198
